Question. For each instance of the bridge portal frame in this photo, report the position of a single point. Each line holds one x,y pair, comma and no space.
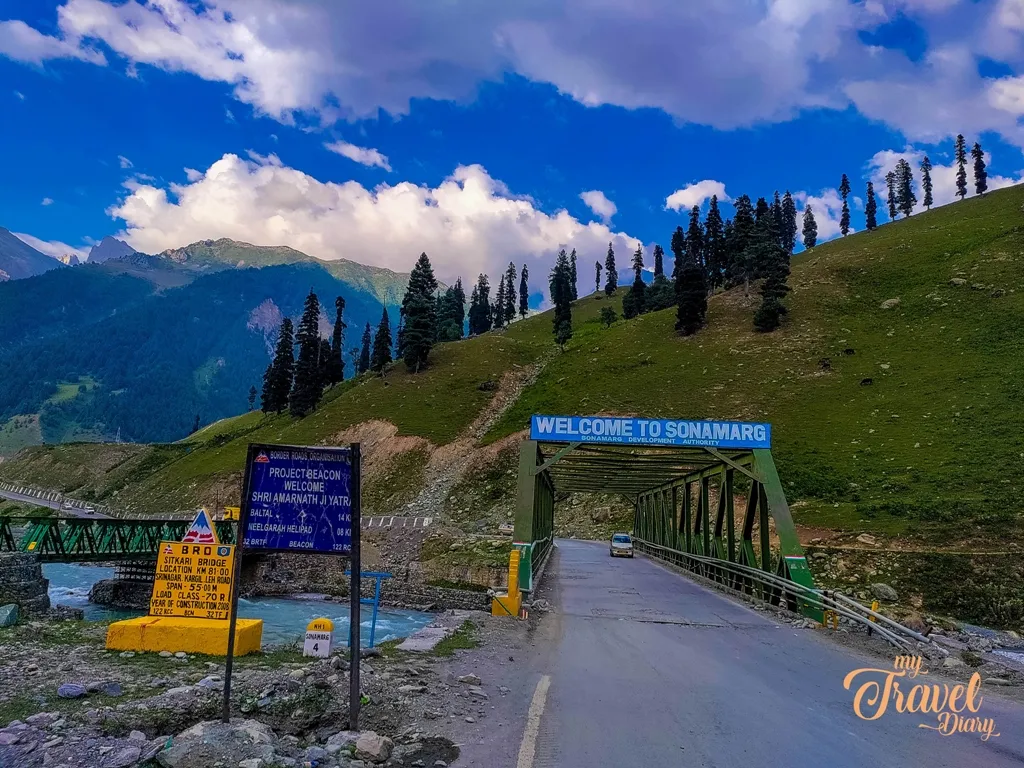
670,489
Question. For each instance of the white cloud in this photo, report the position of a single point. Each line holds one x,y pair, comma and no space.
827,207
125,162
696,194
21,42
19,95
361,155
52,248
469,223
596,201
943,177
47,201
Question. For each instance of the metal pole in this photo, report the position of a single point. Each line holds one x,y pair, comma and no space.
243,521
355,594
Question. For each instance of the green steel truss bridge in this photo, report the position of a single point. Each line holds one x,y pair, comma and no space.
77,540
684,512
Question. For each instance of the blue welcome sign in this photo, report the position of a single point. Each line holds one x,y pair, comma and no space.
299,499
620,430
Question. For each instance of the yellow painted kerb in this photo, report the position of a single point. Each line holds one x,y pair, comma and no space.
174,634
509,604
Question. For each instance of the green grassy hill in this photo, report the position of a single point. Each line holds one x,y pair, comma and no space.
903,420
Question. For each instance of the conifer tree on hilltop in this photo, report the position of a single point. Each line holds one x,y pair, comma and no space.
926,182
572,275
870,209
380,358
597,280
905,197
307,386
714,245
891,185
323,361
635,301
419,315
741,263
561,297
980,174
277,380
498,310
364,349
777,216
336,362
844,220
451,315
524,293
253,394
661,293
692,296
810,230
480,307
659,262
611,274
775,270
789,228
960,151
510,290
678,247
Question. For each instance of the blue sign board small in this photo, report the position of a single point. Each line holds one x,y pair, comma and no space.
299,500
617,430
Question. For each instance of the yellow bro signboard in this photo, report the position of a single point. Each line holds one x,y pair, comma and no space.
193,580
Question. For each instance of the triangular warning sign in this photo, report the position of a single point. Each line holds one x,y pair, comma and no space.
201,531
262,458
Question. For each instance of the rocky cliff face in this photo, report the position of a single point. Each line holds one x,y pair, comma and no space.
109,248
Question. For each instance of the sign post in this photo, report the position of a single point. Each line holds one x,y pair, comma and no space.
302,500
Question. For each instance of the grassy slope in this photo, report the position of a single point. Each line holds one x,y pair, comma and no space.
925,445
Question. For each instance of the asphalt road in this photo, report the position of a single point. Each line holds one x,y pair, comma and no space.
72,511
643,667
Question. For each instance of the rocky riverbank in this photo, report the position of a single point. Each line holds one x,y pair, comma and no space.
65,700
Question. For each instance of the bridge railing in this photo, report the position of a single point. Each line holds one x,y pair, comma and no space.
778,591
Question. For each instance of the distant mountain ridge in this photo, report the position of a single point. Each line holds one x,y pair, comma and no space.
109,248
19,260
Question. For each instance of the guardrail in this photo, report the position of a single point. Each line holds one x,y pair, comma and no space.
781,592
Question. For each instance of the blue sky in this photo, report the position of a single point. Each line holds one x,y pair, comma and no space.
475,132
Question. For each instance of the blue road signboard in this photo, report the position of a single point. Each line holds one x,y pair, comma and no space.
299,500
617,430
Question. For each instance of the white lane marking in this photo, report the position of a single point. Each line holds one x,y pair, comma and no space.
528,747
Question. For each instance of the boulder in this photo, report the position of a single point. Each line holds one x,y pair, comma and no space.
373,747
122,758
470,679
71,691
953,662
884,592
8,615
890,303
212,741
866,538
958,282
340,741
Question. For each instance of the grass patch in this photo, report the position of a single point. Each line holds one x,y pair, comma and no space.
461,640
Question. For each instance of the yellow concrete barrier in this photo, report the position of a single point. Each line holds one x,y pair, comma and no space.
509,604
174,634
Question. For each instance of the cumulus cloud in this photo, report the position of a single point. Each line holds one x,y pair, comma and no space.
469,223
361,155
47,201
52,248
596,201
827,206
943,177
125,162
696,194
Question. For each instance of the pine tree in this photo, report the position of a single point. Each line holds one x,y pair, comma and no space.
777,216
692,297
561,297
419,315
695,238
960,150
980,174
480,307
774,288
451,318
353,358
323,362
572,275
597,280
714,245
891,186
926,182
905,197
870,209
611,275
307,386
659,261
810,231
252,397
844,220
740,260
678,247
789,228
381,355
765,247
335,373
635,301
661,293
524,293
364,349
510,291
277,381
498,311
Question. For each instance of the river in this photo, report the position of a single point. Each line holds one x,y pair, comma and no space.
284,618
